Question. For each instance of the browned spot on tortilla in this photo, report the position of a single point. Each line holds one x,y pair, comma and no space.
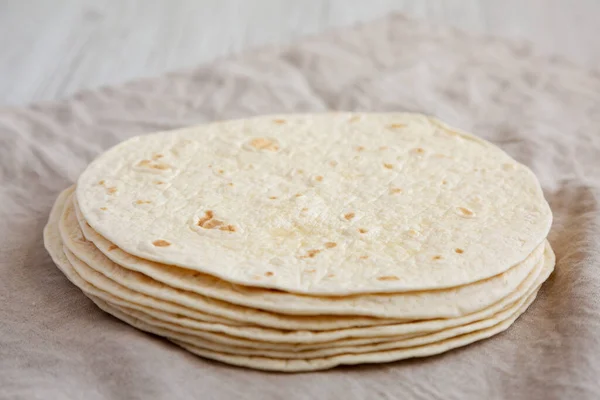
459,251
208,222
111,190
112,247
279,121
213,223
304,209
465,212
360,148
310,270
143,202
362,230
319,178
396,126
330,245
388,166
330,275
157,156
208,215
388,278
438,257
311,253
395,190
158,182
161,243
273,197
363,257
333,163
419,150
264,144
383,148
298,194
103,208
269,273
101,182
228,228
349,216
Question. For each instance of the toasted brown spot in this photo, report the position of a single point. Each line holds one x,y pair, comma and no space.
228,228
154,165
304,209
363,257
459,251
330,275
103,208
311,253
158,182
362,230
112,247
396,126
300,171
383,148
436,258
444,182
319,178
269,273
111,190
465,212
273,197
310,270
213,223
388,166
330,245
395,190
143,202
208,215
349,216
298,195
101,182
419,150
360,148
412,232
221,171
333,163
264,144
161,243
388,278
279,121
157,156
161,166
230,184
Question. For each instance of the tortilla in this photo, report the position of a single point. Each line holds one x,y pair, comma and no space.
323,204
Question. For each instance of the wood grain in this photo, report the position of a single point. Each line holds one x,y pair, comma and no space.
51,49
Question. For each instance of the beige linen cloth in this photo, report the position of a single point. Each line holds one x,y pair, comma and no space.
55,344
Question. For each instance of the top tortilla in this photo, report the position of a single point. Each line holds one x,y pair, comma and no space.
324,204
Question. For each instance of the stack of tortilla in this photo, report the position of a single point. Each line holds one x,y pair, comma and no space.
302,242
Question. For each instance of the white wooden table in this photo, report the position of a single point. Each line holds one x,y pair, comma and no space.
52,48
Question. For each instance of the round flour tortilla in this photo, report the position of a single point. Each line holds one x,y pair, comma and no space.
329,204
200,290
514,310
